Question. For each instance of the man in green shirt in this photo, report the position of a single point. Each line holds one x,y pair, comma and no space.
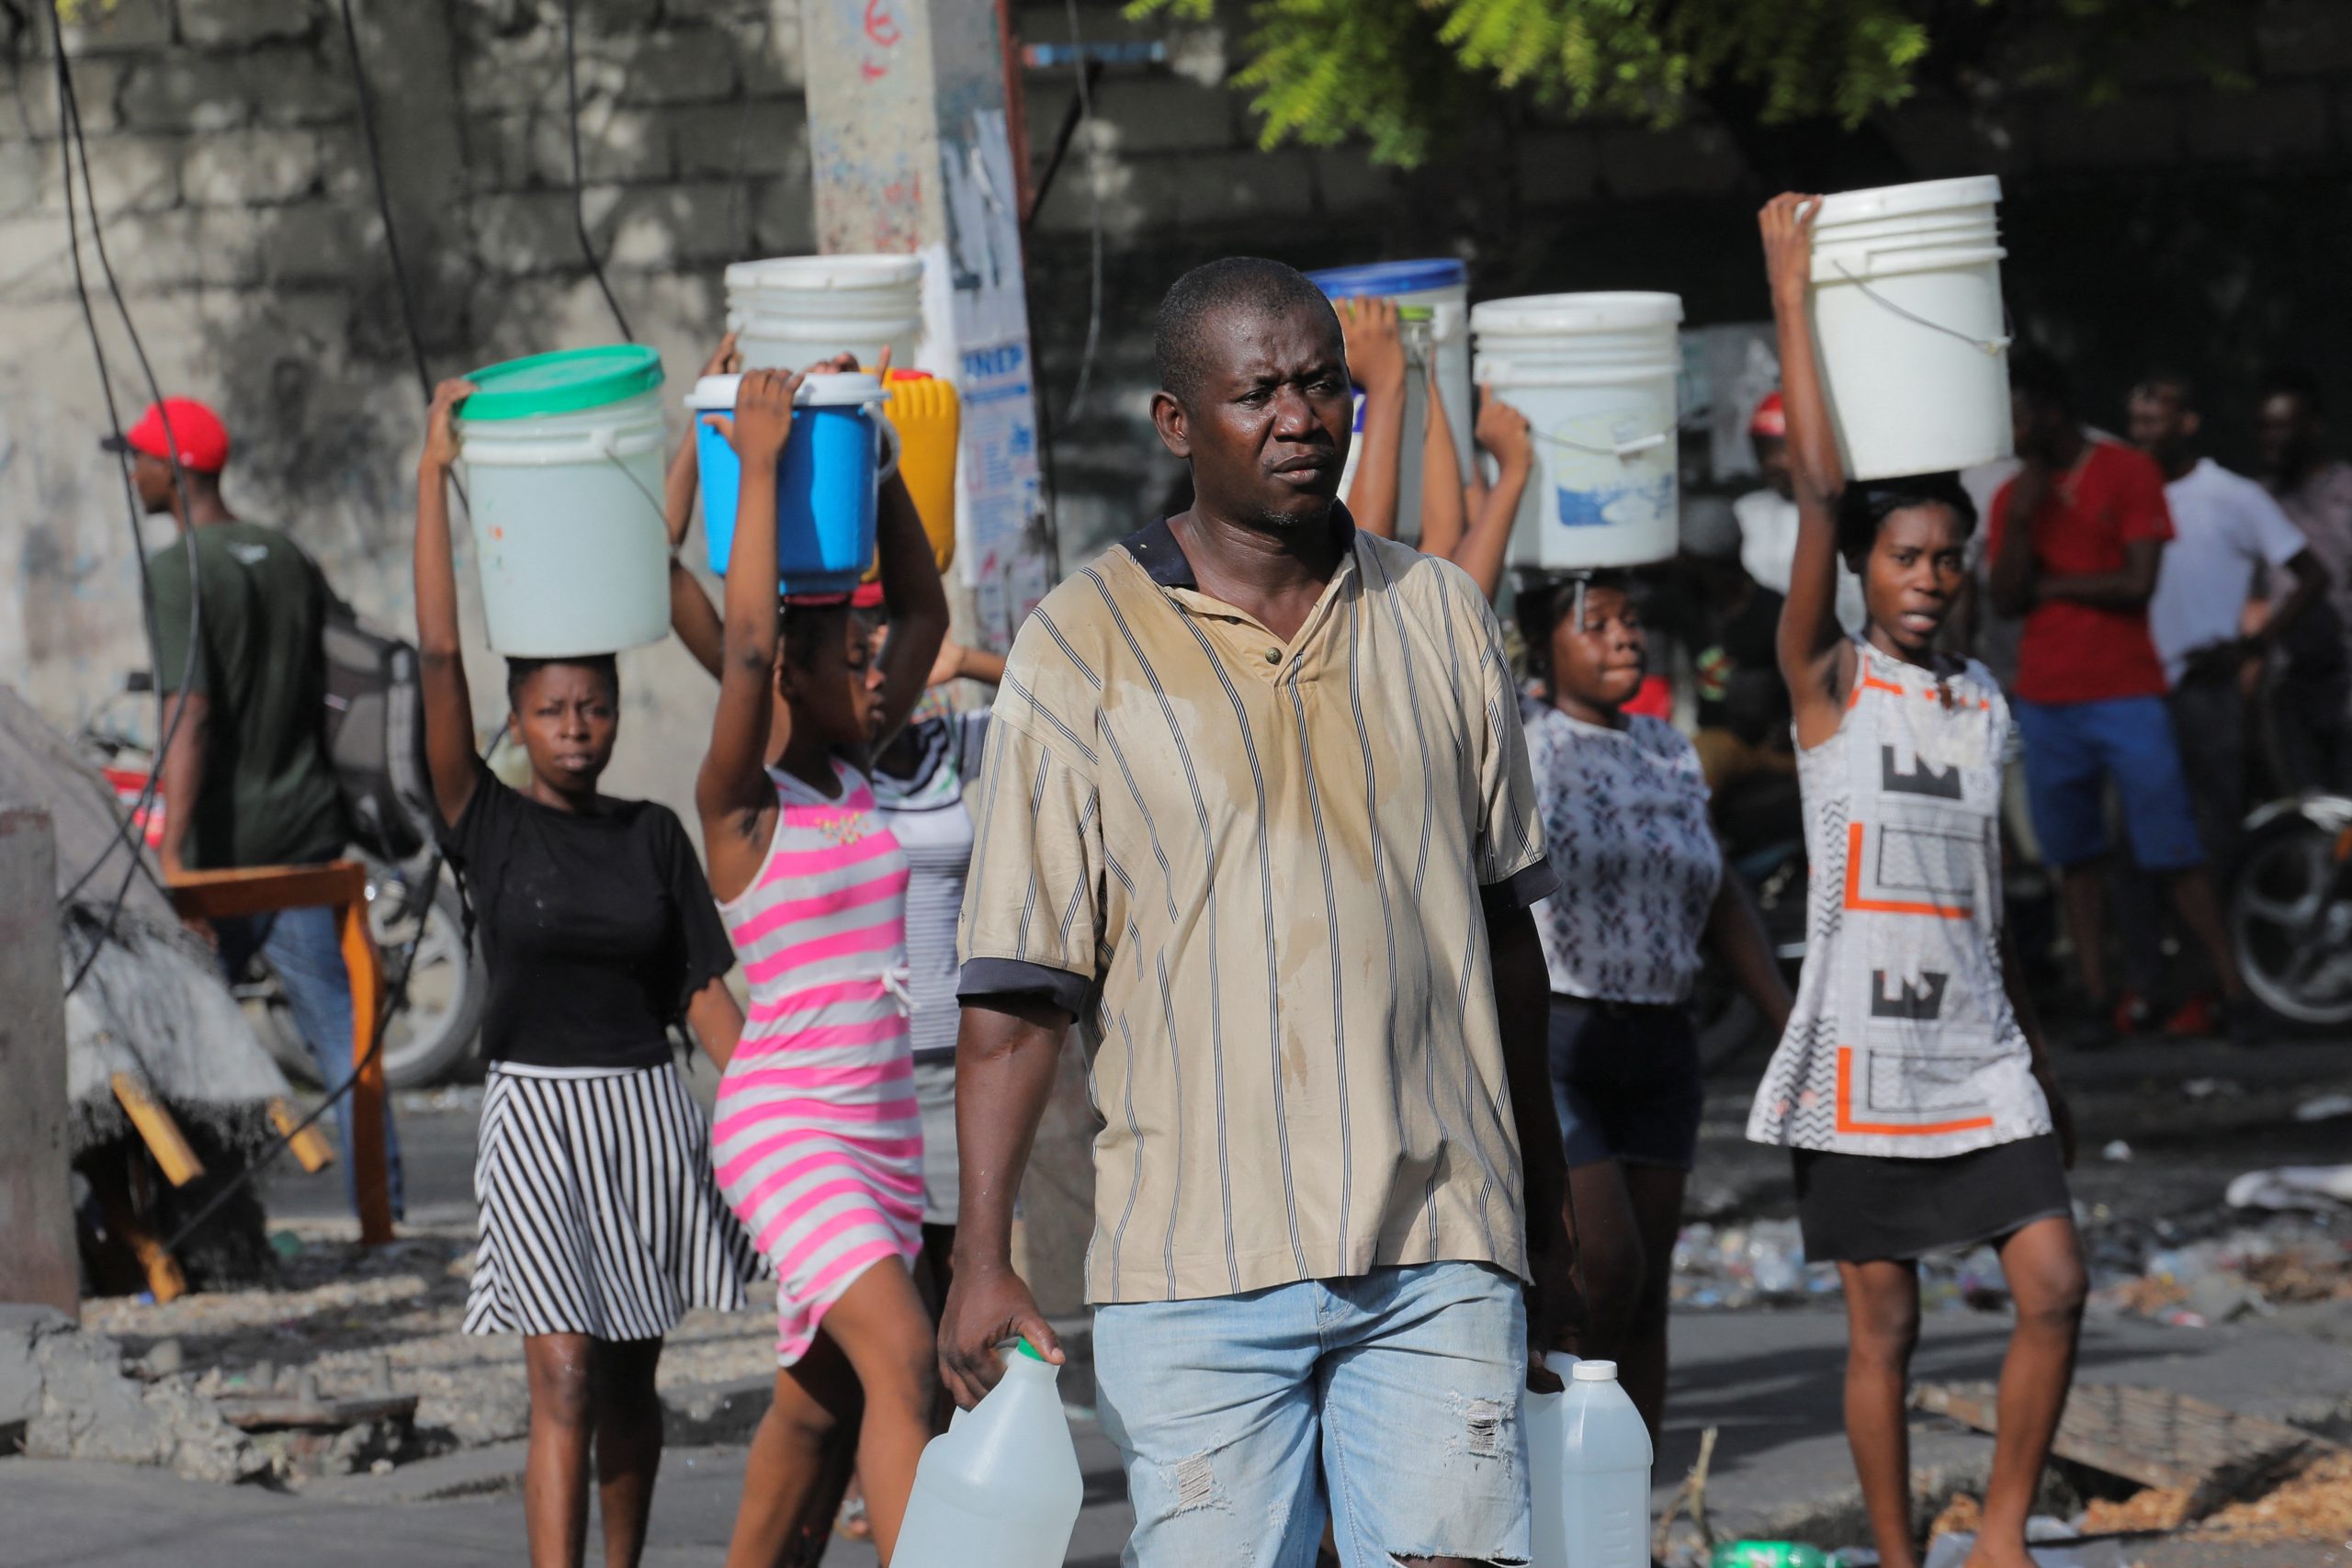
246,779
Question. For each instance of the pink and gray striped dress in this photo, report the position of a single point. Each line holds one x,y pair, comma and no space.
816,1134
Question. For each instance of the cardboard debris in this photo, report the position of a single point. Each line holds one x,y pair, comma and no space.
2154,1437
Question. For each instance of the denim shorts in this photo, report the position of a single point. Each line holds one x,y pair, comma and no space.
1400,1388
2072,749
1626,1083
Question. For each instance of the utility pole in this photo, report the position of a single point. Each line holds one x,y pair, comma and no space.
38,1261
916,135
919,145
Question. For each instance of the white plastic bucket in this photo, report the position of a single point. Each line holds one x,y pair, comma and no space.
568,528
1435,297
791,312
1596,375
1906,311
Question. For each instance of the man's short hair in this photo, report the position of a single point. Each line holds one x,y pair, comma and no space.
1235,283
2039,378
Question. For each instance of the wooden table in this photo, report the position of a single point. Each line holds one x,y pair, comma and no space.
340,886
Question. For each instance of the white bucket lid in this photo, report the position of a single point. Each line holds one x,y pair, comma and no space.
827,389
1904,201
1541,314
823,273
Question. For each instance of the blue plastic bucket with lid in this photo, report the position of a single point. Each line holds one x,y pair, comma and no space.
827,485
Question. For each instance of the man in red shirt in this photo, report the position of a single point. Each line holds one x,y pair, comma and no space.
2091,690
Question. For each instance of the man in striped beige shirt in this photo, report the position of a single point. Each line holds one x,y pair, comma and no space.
1257,811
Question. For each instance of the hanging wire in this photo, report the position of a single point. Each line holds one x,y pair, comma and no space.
579,207
73,150
384,203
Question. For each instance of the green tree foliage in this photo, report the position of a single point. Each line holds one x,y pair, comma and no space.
1388,71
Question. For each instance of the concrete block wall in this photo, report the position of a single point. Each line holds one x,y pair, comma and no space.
238,210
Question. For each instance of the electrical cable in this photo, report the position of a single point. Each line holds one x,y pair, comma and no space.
73,148
384,202
579,207
395,997
1095,227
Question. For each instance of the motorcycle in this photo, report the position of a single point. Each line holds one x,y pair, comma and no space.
2290,909
436,1030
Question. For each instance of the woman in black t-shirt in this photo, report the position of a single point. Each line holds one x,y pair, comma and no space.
602,1222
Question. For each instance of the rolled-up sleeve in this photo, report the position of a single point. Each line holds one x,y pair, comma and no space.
1033,901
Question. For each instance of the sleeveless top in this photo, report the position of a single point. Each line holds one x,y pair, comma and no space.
1902,1041
816,1134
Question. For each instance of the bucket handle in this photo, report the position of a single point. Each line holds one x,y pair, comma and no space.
1986,345
890,439
606,445
1632,446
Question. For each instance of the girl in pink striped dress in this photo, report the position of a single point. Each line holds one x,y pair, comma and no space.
817,1135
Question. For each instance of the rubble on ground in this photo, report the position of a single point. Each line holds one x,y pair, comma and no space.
355,1318
70,1395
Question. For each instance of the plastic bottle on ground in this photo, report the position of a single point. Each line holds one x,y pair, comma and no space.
1000,1488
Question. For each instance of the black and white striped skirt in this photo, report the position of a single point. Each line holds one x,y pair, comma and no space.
600,1213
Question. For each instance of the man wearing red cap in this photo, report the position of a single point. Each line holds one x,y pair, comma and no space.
1768,517
246,774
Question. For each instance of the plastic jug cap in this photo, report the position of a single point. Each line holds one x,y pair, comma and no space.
1594,1371
1025,1348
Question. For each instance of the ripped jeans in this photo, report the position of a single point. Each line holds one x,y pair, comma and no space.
1400,1388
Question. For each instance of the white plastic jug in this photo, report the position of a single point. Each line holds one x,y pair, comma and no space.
1544,1418
1001,1487
790,311
1604,1471
1907,314
1596,375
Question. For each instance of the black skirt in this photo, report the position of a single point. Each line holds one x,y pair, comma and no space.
1867,1208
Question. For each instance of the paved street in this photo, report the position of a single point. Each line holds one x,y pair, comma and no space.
1767,1379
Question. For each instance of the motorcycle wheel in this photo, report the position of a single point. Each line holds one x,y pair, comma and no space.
2291,932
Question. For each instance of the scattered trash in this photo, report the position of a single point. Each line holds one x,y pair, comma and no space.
2117,1152
2315,1503
287,1245
2201,1089
1951,1551
2314,1188
1739,1266
1768,1554
2284,1260
2326,1108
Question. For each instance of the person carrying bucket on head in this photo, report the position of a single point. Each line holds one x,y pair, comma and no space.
1642,890
602,1222
819,1132
1465,521
1913,1085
